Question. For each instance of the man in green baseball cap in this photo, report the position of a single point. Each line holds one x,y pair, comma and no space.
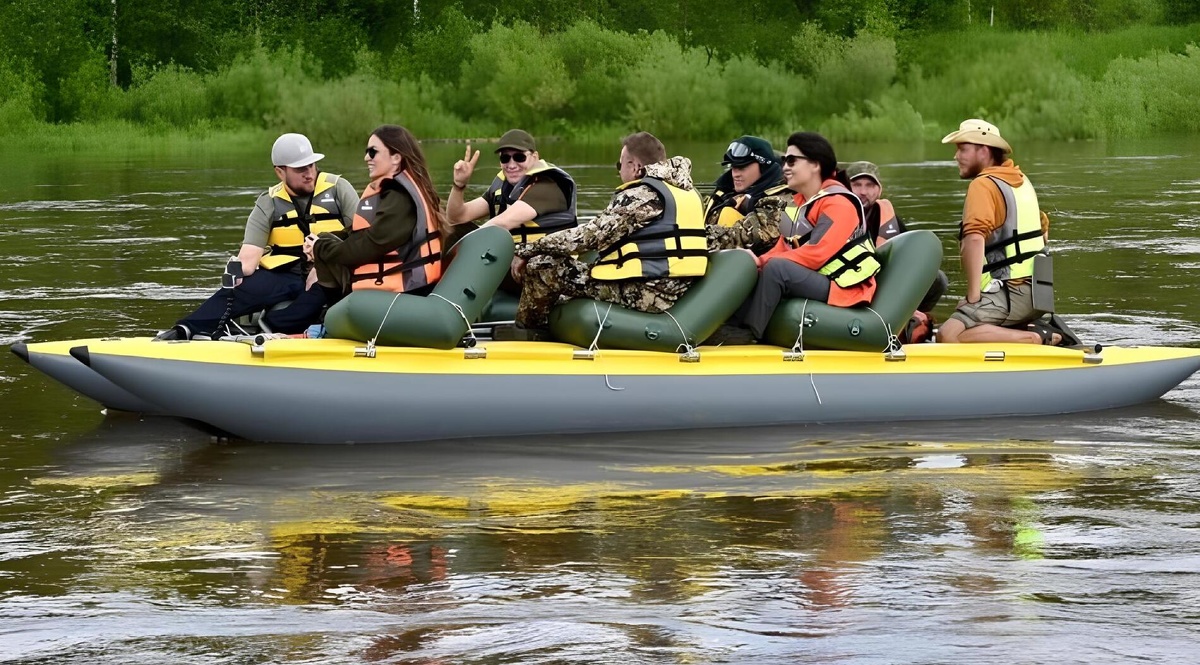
529,197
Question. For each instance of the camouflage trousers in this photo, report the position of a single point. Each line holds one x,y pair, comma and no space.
550,280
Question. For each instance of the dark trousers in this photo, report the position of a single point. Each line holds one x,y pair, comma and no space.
935,293
780,278
259,291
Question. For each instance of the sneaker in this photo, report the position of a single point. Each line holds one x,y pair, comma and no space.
173,333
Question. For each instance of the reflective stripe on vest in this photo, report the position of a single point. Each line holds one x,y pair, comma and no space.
1009,250
288,227
414,264
855,261
500,195
671,245
889,226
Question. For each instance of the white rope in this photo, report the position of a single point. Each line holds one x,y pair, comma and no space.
687,348
798,345
893,342
459,309
371,342
816,392
600,321
595,345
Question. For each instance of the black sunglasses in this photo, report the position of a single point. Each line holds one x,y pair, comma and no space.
790,160
372,151
518,157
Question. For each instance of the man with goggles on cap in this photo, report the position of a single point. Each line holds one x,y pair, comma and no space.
529,197
748,199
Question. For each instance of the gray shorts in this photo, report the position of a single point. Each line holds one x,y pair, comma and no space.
1011,306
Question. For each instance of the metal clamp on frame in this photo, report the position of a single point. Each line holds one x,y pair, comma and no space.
367,351
794,355
583,354
993,356
896,355
689,356
475,353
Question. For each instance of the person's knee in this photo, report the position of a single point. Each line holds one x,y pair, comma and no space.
949,332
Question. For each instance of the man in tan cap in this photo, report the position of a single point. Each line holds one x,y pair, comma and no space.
271,259
529,197
1002,230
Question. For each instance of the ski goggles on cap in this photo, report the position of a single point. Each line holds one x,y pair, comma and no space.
738,151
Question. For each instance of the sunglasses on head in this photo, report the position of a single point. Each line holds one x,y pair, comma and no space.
372,151
518,157
790,160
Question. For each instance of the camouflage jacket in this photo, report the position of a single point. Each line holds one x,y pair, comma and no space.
629,210
757,231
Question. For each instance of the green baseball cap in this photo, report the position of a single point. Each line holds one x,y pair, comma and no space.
863,170
517,139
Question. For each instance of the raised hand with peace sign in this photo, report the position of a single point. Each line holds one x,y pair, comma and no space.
464,167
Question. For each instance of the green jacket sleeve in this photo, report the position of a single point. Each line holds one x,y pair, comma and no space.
395,221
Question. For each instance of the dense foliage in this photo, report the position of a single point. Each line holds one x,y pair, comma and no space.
874,69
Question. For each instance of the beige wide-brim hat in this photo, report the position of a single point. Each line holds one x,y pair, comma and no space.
979,132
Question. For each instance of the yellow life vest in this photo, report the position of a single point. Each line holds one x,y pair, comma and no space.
500,195
1008,252
727,209
671,245
289,226
855,261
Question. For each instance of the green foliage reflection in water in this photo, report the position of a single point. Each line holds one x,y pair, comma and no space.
588,82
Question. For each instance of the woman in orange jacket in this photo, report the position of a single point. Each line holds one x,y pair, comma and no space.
820,253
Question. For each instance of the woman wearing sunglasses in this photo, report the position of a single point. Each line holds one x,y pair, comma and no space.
394,243
823,252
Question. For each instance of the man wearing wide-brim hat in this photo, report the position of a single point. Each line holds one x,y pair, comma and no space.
1001,232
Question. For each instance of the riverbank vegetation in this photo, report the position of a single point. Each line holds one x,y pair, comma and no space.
875,70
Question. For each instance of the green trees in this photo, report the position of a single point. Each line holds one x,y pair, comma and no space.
874,69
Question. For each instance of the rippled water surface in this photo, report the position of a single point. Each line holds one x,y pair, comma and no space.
1068,539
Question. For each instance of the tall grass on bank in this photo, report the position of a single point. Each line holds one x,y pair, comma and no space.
589,83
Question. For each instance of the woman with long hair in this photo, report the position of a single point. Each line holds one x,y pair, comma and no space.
395,242
823,252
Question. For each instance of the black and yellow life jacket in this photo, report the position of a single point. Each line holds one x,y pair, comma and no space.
855,261
289,226
1008,252
671,245
500,195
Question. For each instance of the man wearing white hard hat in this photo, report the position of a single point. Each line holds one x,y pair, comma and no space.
1001,232
273,267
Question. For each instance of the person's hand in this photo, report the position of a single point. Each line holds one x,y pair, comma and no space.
518,269
309,241
311,279
464,167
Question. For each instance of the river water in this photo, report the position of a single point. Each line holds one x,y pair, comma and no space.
1068,539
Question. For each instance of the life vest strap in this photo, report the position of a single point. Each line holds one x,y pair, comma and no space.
1012,240
622,259
1010,261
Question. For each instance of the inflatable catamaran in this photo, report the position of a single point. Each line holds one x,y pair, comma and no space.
409,368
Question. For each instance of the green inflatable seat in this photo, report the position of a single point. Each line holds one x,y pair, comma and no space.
910,263
729,279
482,259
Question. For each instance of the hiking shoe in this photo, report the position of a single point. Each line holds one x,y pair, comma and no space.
173,333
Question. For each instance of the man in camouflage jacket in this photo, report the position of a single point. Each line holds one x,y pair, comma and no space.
552,274
757,231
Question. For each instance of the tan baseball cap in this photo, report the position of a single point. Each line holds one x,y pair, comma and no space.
856,170
979,132
517,139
